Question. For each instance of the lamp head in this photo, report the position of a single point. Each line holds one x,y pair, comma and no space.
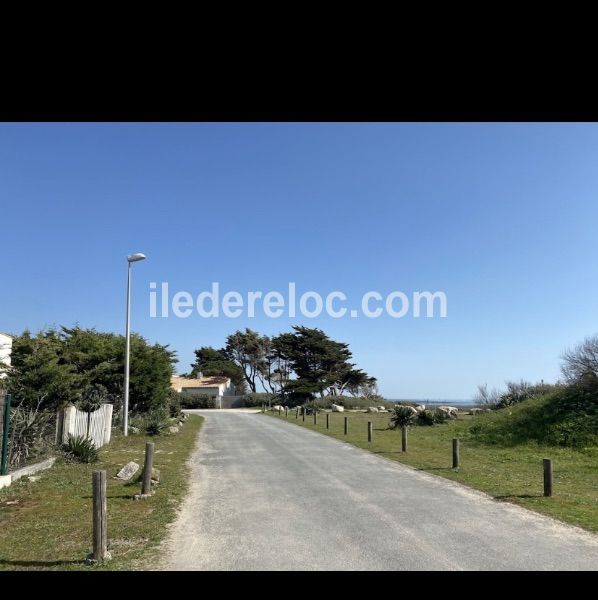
136,257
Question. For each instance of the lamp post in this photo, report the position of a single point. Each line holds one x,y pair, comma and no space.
130,259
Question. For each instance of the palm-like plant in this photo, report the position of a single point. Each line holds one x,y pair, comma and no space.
401,416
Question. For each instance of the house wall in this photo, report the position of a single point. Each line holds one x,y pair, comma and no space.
203,391
229,389
5,350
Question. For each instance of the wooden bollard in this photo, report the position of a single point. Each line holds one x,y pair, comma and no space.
146,486
346,425
279,410
286,412
455,453
303,413
327,420
404,439
100,526
369,431
297,413
315,417
547,476
263,408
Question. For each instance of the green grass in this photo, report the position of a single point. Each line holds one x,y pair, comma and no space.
47,524
511,473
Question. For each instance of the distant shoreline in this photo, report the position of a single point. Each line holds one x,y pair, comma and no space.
463,403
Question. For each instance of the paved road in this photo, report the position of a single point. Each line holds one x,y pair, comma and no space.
270,495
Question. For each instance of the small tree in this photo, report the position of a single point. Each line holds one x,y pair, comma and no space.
401,416
581,360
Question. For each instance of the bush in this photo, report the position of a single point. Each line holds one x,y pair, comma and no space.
425,417
31,434
197,401
440,416
256,399
174,404
82,449
401,416
155,423
312,407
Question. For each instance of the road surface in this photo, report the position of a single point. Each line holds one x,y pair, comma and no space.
269,495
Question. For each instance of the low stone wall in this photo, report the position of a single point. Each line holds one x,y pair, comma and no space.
6,480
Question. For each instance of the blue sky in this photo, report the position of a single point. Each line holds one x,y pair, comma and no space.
501,217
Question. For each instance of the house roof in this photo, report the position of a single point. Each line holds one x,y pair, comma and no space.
209,381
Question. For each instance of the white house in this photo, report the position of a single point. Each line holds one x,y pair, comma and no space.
5,350
214,386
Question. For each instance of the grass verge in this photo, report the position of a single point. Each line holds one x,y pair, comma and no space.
509,473
47,524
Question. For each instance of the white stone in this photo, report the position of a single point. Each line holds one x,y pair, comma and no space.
128,471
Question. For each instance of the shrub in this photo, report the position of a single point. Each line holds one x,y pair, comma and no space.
425,417
197,401
31,434
174,404
155,423
311,408
256,399
401,416
82,449
440,416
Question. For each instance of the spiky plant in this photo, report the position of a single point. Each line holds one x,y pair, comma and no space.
401,416
82,449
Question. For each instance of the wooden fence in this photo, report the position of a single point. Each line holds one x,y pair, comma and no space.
96,425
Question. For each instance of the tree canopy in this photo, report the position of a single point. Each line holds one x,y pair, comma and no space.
82,366
302,363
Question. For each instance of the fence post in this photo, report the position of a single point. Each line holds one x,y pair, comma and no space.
404,439
297,413
303,412
369,431
100,526
68,424
547,476
146,486
315,417
108,408
5,426
279,410
455,453
346,425
286,412
327,420
59,426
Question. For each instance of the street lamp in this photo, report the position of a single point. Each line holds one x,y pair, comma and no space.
130,259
